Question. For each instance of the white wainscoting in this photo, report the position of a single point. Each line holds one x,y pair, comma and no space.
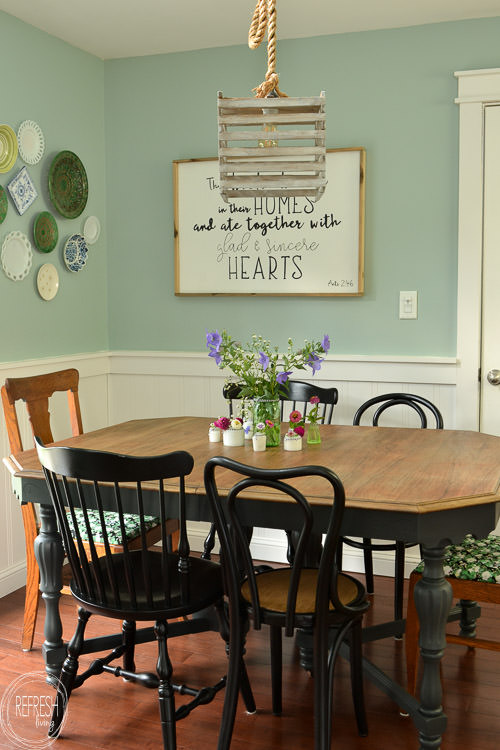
118,386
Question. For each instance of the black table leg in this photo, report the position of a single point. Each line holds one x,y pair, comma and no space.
49,554
433,598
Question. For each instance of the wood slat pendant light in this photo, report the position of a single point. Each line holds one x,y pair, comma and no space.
272,144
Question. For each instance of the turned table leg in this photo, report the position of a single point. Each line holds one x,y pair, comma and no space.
49,554
433,598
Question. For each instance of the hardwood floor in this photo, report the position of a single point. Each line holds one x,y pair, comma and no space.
107,713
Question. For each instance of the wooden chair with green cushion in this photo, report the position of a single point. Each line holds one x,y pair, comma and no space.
323,600
36,391
473,571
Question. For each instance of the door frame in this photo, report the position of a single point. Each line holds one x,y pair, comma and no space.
476,89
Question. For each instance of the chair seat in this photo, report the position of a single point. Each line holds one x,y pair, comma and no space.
273,590
205,587
472,560
131,522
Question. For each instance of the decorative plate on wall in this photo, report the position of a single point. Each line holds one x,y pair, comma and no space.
75,253
31,142
17,256
47,281
22,191
45,232
8,148
3,204
68,186
91,230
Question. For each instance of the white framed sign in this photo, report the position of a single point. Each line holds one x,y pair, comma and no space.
270,246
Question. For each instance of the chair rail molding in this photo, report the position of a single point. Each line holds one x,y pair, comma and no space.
476,89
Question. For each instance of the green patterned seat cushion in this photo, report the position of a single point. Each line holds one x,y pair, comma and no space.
131,520
473,560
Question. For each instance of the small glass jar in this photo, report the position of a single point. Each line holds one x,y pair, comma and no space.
233,437
292,443
214,435
313,435
259,441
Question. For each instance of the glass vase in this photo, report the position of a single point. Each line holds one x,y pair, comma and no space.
268,410
313,435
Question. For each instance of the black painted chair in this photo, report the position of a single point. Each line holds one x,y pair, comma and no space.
296,395
138,585
329,603
423,408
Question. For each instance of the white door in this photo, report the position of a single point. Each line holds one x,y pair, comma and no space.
490,355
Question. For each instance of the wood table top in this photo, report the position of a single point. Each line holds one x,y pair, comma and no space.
382,468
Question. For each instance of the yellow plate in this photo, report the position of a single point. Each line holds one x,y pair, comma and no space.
8,148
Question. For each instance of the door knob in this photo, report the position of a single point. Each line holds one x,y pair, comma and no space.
493,377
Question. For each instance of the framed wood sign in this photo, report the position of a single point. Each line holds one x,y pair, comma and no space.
270,246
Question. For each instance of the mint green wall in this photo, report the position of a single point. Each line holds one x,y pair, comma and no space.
390,91
62,89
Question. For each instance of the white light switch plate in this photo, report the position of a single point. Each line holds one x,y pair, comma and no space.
407,305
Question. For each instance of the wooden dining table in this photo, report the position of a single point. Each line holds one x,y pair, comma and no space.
430,487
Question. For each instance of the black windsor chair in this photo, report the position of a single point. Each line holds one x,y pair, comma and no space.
422,407
138,585
329,603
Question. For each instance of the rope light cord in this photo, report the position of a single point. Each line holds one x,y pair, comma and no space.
264,16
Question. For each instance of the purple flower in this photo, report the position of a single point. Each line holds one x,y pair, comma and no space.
214,340
326,343
314,362
216,355
264,360
299,430
282,377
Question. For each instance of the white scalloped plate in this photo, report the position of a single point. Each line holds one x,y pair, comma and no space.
47,281
31,142
91,230
17,256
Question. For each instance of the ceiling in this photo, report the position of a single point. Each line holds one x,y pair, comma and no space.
127,28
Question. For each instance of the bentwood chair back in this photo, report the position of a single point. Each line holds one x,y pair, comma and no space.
136,585
296,394
321,599
36,391
425,410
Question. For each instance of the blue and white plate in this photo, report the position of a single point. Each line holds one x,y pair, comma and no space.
75,253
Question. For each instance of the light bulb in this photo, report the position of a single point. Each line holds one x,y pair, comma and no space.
269,127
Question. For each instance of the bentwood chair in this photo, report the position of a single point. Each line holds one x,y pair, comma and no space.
296,394
35,392
473,571
321,599
422,407
137,585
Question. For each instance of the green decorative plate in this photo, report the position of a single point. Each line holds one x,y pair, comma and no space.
68,186
3,204
45,232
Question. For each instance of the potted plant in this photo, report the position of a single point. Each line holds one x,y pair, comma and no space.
293,438
259,437
262,372
313,418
